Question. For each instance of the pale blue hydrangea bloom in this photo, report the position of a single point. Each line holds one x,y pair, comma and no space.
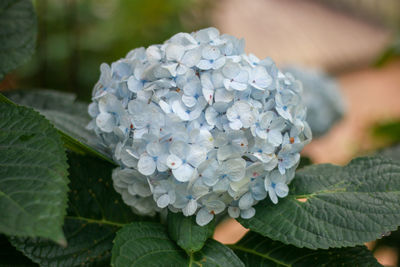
322,97
199,127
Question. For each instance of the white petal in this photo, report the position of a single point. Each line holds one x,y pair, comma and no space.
275,137
153,53
238,86
183,173
163,201
272,195
223,95
162,163
281,189
210,52
106,122
226,152
179,149
211,116
189,101
204,65
234,212
221,186
235,168
235,125
246,201
134,85
203,217
191,57
154,149
173,162
146,165
190,208
219,63
180,110
247,214
196,155
174,52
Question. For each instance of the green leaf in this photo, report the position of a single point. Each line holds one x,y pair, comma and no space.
256,250
18,28
187,233
345,206
391,153
69,116
148,244
95,213
33,175
10,257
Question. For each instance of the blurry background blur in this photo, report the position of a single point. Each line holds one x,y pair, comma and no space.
357,41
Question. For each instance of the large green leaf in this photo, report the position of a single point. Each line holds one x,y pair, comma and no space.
148,244
187,233
33,175
18,29
95,213
256,250
345,206
68,115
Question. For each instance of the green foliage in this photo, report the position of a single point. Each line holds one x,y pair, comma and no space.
256,250
390,53
187,233
95,213
68,115
17,34
148,244
33,175
345,206
387,132
77,36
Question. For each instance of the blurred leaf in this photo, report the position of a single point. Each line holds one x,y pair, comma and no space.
147,244
17,34
95,213
333,206
390,53
256,250
187,233
68,115
387,132
33,175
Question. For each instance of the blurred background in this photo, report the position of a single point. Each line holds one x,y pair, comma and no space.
355,41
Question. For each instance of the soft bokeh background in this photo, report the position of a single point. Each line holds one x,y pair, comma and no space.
355,40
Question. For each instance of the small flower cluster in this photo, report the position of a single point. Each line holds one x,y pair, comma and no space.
322,97
200,127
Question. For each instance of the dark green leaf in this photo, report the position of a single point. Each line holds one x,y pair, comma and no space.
68,115
33,175
18,29
148,244
187,233
391,153
10,257
95,213
344,206
256,250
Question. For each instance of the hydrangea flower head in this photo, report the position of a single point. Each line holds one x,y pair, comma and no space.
199,127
